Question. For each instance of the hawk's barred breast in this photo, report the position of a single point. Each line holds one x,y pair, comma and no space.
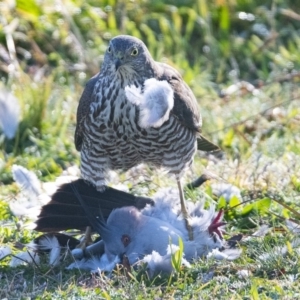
113,138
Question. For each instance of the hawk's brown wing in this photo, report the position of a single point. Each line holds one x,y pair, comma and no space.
185,105
83,109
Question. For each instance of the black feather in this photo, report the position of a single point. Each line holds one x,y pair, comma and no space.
65,211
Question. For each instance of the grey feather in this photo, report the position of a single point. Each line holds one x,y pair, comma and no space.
26,180
9,114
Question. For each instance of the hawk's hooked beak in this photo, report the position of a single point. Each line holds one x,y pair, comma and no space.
118,63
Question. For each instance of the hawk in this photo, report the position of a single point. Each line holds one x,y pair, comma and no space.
137,110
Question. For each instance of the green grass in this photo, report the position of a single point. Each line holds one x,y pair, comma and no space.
59,48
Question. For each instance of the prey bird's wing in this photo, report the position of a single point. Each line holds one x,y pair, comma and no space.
97,221
64,211
83,109
185,105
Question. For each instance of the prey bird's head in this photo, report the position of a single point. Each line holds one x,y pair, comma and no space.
127,53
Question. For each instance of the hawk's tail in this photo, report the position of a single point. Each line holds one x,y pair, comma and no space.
204,144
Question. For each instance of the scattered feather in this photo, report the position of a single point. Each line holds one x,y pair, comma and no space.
228,254
279,251
9,114
243,274
26,180
27,202
262,231
95,264
34,194
50,242
241,88
23,206
26,257
226,190
4,251
158,264
293,227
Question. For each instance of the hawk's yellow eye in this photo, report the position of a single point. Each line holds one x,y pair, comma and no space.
109,49
134,52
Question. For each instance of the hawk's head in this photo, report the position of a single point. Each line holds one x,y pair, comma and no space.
128,53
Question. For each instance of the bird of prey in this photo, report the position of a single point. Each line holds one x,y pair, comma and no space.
137,110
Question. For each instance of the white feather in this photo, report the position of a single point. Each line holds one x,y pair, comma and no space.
134,94
157,263
158,102
243,274
26,180
228,254
24,258
9,114
262,231
279,252
50,242
34,194
226,190
23,207
155,103
95,264
4,251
